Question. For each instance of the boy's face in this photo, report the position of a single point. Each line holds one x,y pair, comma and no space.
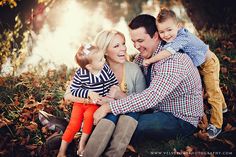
168,30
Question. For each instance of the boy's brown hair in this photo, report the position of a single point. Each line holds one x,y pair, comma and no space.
82,57
165,14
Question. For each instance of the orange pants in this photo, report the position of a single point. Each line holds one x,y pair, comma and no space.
80,111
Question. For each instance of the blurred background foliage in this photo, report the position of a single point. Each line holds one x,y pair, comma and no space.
213,19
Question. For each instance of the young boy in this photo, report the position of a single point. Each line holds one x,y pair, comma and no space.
181,40
92,80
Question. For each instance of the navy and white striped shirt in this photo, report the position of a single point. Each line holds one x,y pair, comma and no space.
84,81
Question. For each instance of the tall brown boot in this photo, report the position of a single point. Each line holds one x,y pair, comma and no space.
99,138
121,137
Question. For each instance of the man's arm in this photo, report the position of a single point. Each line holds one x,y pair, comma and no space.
168,76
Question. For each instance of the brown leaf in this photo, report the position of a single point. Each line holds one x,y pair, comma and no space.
32,127
228,127
202,135
219,50
44,129
4,122
233,61
223,70
39,106
31,147
2,81
225,58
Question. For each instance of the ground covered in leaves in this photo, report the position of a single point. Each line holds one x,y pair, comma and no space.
21,98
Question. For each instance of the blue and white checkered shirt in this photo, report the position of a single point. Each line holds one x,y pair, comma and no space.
190,44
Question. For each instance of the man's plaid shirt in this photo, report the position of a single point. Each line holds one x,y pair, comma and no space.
175,87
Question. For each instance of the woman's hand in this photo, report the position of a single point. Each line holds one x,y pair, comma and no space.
101,112
115,92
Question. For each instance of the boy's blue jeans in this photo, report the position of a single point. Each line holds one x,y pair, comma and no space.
114,118
160,125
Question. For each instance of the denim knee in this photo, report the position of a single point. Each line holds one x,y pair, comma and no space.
112,117
134,115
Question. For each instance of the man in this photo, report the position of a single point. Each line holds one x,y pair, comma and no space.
175,91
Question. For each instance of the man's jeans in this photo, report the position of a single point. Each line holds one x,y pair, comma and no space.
159,126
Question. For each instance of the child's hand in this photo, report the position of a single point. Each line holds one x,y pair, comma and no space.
104,100
146,62
93,96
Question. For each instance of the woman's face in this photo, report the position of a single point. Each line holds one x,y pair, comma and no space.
116,50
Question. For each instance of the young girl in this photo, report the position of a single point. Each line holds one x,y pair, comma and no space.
92,80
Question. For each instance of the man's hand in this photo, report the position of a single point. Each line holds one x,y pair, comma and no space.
101,112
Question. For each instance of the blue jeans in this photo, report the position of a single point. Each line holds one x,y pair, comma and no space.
114,118
160,125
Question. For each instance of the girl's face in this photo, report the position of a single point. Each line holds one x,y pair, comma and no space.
116,50
97,60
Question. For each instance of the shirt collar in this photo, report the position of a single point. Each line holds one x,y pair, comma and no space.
160,45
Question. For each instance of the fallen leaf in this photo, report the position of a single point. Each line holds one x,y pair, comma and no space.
32,127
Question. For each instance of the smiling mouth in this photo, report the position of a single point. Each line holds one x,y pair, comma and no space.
168,38
121,55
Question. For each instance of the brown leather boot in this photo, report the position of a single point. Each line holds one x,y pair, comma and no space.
99,138
121,137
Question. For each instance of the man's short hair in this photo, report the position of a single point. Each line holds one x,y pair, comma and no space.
146,21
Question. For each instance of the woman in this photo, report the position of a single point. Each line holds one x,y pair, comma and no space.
131,80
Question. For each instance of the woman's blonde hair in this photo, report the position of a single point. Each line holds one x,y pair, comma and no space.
104,38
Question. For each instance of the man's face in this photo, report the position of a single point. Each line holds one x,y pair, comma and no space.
143,42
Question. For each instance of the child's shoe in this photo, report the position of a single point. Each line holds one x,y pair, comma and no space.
213,131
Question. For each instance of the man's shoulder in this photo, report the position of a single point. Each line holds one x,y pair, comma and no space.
174,60
138,59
